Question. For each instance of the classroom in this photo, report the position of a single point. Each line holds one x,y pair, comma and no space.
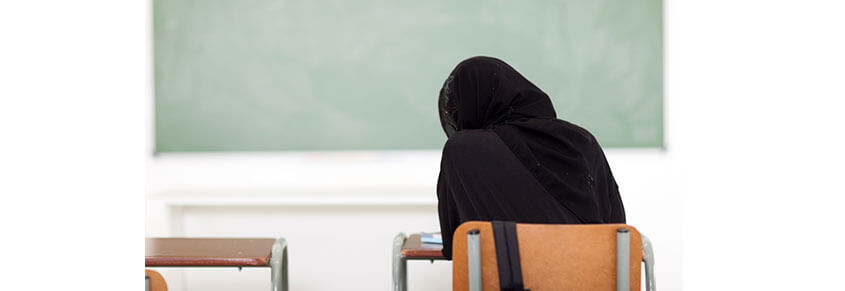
323,117
330,145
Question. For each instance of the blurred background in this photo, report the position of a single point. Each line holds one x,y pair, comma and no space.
722,122
317,121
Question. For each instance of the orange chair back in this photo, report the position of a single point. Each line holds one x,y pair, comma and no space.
553,256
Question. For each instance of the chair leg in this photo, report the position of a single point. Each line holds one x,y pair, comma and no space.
400,268
648,259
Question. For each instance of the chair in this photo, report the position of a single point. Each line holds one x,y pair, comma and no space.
154,281
553,257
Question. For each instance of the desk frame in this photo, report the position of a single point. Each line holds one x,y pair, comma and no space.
278,265
400,263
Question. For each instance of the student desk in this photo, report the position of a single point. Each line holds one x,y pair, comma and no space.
410,248
222,252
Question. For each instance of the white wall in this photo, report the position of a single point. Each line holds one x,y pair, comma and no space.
757,91
72,84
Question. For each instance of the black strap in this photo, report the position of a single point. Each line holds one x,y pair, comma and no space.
507,256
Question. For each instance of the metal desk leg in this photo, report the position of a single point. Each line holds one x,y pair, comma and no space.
648,259
400,268
279,265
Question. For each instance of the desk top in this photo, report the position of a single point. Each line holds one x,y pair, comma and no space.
208,251
414,249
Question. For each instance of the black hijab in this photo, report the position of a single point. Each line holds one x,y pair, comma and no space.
509,158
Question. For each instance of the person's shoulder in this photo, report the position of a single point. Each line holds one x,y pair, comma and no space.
469,140
584,134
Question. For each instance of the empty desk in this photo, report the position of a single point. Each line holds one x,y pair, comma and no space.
221,252
410,248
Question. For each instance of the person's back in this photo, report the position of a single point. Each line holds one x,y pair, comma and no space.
509,158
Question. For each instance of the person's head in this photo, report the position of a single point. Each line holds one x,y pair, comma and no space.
482,92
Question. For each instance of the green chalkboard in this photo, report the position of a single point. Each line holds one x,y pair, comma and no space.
267,75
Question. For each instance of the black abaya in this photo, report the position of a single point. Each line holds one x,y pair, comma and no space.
509,158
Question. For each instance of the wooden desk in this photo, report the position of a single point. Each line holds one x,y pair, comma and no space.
410,248
221,252
414,249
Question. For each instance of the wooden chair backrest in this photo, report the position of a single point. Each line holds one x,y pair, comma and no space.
157,282
553,256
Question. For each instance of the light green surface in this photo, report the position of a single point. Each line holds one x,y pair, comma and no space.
243,75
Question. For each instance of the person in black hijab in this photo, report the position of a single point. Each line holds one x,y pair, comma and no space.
509,158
